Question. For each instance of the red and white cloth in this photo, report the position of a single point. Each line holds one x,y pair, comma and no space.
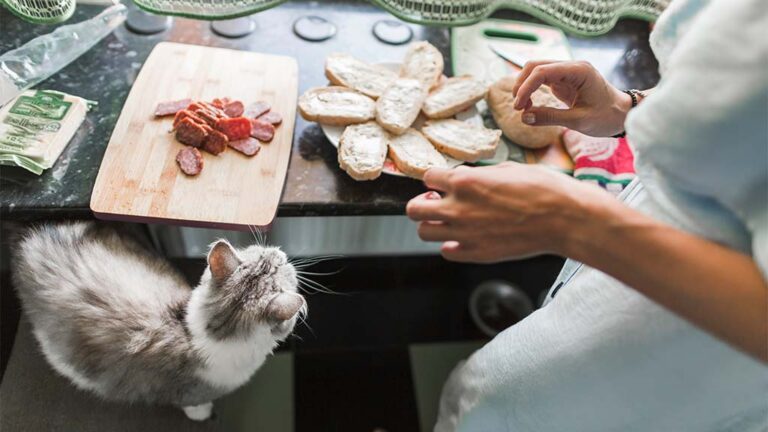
608,162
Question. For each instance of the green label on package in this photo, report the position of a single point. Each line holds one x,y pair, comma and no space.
44,105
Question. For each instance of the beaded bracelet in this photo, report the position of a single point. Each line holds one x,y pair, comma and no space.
632,94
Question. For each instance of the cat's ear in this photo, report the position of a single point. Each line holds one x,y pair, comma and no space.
284,306
222,260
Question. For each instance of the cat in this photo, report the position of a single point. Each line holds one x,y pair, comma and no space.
119,321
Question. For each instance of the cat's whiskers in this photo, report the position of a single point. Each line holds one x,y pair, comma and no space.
312,286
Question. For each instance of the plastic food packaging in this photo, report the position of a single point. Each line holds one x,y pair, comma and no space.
36,126
36,60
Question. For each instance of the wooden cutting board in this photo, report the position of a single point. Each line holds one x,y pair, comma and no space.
139,179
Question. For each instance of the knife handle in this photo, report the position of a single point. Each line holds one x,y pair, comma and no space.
510,34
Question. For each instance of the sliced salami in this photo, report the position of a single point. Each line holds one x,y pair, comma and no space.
210,118
185,113
234,128
171,107
272,117
256,109
190,161
214,109
220,102
190,133
249,146
262,130
216,142
234,109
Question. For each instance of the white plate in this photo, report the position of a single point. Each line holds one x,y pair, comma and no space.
472,115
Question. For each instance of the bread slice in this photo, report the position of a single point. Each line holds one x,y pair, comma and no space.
362,150
453,96
370,80
337,106
400,104
462,140
413,154
423,62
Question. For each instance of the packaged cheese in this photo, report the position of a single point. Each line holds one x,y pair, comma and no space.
37,126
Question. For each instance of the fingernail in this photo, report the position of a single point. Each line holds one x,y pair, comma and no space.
432,195
529,118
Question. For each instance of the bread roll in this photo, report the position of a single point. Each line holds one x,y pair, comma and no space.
400,104
423,62
370,80
337,106
362,150
413,154
453,96
501,100
462,140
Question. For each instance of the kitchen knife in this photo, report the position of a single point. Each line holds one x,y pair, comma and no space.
512,57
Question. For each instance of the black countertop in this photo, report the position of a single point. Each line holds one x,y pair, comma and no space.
315,185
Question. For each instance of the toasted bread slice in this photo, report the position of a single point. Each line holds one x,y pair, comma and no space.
462,140
453,96
423,62
370,80
337,106
413,154
362,150
400,104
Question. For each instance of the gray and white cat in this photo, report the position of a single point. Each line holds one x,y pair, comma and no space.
119,321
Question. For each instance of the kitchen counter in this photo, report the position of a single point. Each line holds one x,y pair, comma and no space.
315,185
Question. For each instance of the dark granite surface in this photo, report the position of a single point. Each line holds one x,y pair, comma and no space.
315,185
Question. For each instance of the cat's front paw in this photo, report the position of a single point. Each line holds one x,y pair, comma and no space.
199,412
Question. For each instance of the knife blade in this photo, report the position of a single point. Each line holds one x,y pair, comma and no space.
514,58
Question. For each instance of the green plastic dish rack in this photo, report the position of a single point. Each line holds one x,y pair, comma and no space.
583,17
207,9
41,11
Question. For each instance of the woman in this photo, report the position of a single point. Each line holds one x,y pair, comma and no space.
664,327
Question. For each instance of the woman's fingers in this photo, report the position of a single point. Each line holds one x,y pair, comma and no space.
527,69
545,116
539,76
423,208
561,73
460,252
438,179
436,231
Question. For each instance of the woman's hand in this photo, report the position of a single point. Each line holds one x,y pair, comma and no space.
503,212
595,107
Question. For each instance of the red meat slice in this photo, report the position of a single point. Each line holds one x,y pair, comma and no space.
256,109
190,161
171,107
216,142
248,146
234,109
208,116
234,128
262,130
190,133
194,106
220,102
214,109
271,117
185,113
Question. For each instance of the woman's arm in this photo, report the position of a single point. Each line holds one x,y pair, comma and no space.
512,211
715,288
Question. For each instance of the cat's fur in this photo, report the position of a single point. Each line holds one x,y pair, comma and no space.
119,321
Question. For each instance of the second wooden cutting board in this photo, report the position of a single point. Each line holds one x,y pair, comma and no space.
139,179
